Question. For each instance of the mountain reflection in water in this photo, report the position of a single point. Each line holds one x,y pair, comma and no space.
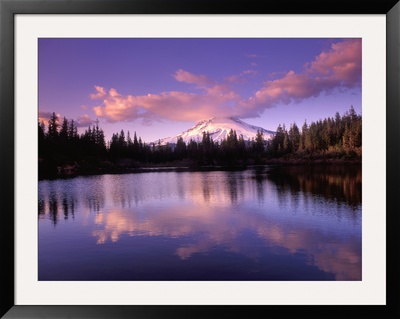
267,223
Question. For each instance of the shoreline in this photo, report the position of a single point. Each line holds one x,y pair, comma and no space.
190,167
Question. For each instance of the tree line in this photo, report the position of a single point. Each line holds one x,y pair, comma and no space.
336,136
61,147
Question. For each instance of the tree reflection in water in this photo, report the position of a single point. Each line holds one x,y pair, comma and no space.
338,182
192,221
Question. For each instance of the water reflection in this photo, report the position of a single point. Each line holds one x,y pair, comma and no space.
253,214
209,229
339,183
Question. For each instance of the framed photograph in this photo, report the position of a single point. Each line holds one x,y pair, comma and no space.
199,159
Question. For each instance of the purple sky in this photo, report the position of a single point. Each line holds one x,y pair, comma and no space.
160,87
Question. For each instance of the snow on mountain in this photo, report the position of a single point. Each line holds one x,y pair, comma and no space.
219,128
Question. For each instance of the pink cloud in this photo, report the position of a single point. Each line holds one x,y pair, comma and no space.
184,76
342,63
337,68
172,105
242,77
44,117
99,94
83,121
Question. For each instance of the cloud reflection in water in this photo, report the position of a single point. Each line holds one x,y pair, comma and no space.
245,213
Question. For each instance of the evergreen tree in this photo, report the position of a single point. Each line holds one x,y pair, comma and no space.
41,131
72,131
294,137
52,133
277,141
286,143
241,148
305,132
180,149
259,142
41,138
64,131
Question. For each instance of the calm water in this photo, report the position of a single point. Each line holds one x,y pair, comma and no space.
288,223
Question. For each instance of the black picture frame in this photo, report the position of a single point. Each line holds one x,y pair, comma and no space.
8,10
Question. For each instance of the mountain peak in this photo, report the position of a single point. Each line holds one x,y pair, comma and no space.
219,128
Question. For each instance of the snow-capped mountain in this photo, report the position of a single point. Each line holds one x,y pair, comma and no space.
219,128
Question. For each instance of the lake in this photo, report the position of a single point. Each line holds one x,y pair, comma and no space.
262,223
